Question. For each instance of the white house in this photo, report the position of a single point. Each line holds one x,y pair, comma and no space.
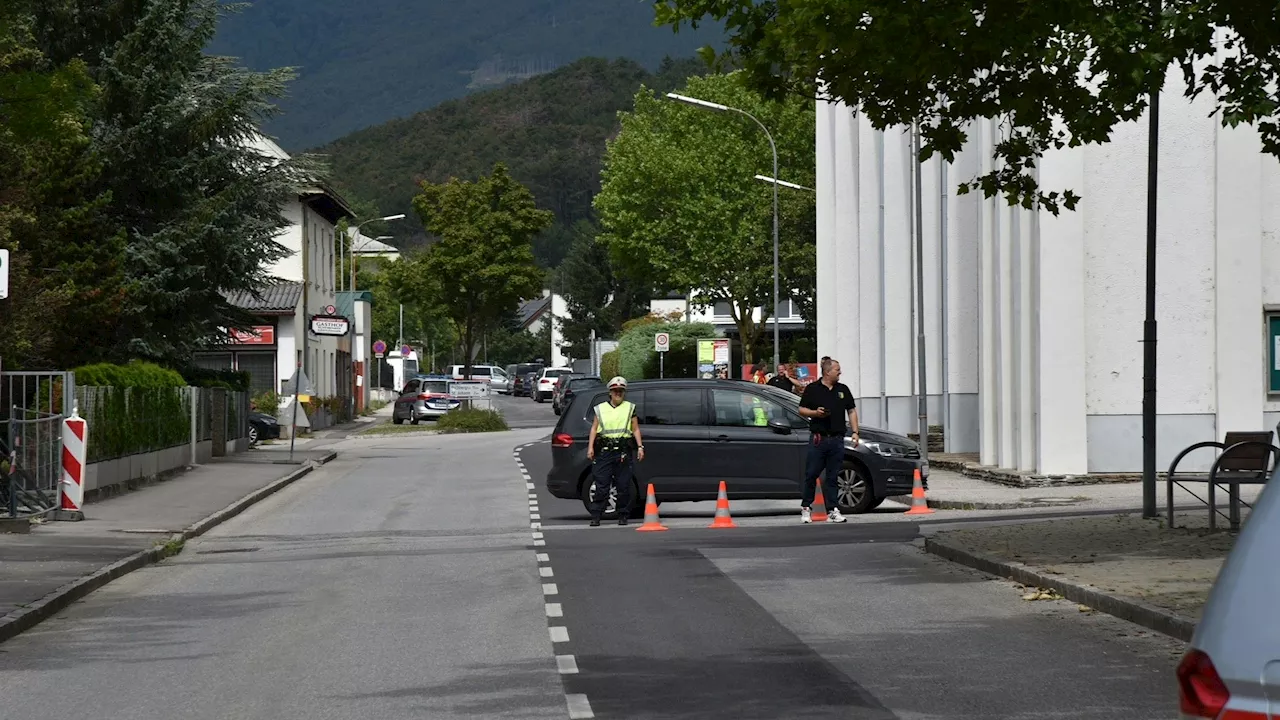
550,308
1033,322
303,286
720,314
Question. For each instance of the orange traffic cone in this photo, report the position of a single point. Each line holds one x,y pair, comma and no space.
919,505
651,522
818,513
723,519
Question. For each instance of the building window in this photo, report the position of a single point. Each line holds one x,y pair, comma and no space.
1273,354
722,310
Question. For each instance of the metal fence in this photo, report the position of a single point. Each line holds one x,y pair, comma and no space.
129,421
32,406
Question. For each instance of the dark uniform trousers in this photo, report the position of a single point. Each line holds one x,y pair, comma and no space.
612,468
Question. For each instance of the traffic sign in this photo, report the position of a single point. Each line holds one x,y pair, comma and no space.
4,274
378,355
379,346
330,310
662,342
405,350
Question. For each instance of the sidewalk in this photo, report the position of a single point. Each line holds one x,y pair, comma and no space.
1135,569
950,490
58,562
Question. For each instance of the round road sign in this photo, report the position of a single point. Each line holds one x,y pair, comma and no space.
330,310
661,342
379,347
405,350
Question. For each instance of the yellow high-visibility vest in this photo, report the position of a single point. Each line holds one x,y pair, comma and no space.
615,422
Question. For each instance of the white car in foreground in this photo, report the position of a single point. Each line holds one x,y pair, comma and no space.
1231,670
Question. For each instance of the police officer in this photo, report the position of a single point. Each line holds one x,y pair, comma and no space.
615,435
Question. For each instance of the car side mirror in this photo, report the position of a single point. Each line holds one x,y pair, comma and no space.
780,427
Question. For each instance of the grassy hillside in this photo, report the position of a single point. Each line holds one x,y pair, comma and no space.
550,130
367,62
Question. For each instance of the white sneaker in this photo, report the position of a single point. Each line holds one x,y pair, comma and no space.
834,516
805,516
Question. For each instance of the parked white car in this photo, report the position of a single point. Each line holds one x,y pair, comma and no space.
546,384
495,376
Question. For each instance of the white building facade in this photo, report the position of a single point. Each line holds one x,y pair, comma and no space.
1034,323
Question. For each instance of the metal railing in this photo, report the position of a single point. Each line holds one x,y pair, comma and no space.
32,406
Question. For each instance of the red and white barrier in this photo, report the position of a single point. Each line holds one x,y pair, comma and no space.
75,433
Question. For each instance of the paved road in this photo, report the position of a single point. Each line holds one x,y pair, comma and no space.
403,580
521,412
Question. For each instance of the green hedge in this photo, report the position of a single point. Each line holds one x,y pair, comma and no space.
637,359
125,421
136,374
469,421
609,365
204,377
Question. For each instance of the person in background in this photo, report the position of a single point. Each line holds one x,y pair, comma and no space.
758,372
825,404
783,381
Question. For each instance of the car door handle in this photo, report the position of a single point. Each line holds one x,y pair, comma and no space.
722,438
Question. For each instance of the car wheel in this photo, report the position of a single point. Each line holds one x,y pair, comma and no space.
397,420
413,421
611,507
253,435
856,492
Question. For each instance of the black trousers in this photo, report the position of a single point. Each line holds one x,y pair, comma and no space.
612,468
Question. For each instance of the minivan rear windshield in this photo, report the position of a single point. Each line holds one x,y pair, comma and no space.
435,386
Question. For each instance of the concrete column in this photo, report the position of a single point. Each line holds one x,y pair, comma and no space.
870,277
1240,352
988,378
899,359
963,285
1024,368
847,246
1062,431
826,161
1005,270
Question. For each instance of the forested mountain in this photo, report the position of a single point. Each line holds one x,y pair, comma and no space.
550,130
362,63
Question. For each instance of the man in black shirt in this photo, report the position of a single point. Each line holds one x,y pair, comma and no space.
782,379
826,404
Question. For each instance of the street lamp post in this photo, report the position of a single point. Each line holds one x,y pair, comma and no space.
351,245
774,148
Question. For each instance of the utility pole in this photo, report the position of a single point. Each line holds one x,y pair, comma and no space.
923,401
1149,324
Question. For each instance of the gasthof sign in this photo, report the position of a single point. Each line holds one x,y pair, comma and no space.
330,325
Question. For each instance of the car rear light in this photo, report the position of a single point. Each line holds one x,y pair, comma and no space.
563,440
1201,692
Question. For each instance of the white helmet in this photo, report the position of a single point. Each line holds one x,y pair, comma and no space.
618,382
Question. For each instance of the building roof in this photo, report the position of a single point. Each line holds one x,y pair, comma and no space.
529,311
277,297
346,301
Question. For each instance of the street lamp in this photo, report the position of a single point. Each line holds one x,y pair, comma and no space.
783,183
717,107
351,244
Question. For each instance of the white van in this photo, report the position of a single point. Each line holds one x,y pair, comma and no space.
497,377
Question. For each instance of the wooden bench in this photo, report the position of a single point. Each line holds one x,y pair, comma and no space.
1246,459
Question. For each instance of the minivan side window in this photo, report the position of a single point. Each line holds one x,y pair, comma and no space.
672,407
636,397
734,408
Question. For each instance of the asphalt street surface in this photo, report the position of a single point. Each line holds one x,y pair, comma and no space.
406,579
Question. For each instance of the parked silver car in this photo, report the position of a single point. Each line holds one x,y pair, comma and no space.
1232,668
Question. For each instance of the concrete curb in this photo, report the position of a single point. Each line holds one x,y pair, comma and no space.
968,505
25,618
1139,613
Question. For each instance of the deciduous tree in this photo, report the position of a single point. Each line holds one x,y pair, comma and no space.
483,260
1054,74
680,203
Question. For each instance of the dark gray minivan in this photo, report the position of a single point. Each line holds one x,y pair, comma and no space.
699,432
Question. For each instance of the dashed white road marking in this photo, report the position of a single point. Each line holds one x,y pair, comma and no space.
537,536
554,610
543,557
559,634
539,543
550,589
567,664
546,572
529,485
579,707
535,516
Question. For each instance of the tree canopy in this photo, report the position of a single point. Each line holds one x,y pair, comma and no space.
680,204
483,261
1055,74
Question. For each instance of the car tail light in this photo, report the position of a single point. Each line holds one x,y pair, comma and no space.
563,440
1201,692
